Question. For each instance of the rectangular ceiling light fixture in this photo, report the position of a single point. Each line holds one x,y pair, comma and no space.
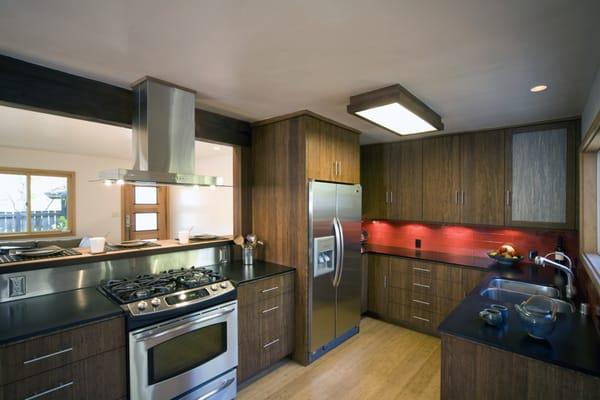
395,109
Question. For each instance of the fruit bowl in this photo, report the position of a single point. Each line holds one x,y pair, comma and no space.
500,259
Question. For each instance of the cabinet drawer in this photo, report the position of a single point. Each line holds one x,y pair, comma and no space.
427,272
445,289
101,377
253,292
44,353
421,318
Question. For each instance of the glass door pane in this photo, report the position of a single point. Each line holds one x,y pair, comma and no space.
145,195
146,221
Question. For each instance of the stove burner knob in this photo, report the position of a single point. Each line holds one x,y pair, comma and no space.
214,288
155,302
223,285
142,305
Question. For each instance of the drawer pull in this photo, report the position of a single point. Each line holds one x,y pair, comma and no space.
421,269
420,318
47,356
270,309
269,289
421,285
45,392
271,343
422,302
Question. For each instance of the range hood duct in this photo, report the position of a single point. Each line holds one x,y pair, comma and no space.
163,138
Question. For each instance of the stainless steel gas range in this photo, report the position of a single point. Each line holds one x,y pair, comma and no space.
182,327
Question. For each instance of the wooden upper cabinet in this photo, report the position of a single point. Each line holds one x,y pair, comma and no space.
441,179
482,178
540,175
372,179
332,153
346,148
405,201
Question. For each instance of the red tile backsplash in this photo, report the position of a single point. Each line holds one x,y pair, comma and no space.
466,240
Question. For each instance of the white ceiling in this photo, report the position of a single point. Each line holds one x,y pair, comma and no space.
46,132
472,61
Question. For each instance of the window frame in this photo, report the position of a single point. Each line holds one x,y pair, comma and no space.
29,172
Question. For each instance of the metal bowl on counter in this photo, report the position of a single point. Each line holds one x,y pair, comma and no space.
538,316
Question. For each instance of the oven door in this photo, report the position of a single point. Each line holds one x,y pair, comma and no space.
178,356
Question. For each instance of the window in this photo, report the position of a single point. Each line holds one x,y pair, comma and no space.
36,203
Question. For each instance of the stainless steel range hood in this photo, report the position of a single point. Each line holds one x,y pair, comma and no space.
163,138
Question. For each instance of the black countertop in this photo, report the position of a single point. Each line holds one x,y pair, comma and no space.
447,258
26,318
574,343
240,274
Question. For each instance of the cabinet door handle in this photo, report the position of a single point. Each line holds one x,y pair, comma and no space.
340,168
271,343
420,318
385,282
462,197
269,289
421,269
421,285
421,302
270,309
457,197
391,197
45,392
508,197
56,353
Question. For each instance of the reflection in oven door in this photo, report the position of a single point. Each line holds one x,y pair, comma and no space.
185,355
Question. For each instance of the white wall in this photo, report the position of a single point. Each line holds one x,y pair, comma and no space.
206,210
97,207
592,106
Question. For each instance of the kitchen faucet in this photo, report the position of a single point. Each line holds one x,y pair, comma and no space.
543,261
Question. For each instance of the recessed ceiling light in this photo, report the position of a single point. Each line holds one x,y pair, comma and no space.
395,109
538,88
217,148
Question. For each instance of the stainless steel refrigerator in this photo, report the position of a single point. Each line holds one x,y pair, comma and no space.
335,278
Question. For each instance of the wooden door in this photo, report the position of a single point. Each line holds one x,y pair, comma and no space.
145,212
320,154
405,180
378,284
482,178
347,154
372,179
540,176
441,179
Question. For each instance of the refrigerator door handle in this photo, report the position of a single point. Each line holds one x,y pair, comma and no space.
336,234
340,259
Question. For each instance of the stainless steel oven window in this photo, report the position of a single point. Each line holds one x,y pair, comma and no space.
195,377
186,352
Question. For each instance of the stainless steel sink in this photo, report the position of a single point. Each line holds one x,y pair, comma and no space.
515,292
523,287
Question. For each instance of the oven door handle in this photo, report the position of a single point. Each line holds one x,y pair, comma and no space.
221,387
170,331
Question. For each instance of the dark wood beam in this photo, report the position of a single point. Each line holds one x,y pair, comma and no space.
34,87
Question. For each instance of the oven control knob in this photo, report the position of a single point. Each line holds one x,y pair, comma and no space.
155,302
142,305
214,288
223,285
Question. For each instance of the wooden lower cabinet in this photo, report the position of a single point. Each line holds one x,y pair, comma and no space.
87,362
475,371
417,293
265,323
101,377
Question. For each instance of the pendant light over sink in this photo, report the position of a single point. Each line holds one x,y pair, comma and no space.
396,109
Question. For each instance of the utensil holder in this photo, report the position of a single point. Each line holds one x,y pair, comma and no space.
248,255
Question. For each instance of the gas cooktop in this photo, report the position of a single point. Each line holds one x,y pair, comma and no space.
143,287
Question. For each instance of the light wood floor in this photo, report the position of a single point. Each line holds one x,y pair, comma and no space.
383,361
